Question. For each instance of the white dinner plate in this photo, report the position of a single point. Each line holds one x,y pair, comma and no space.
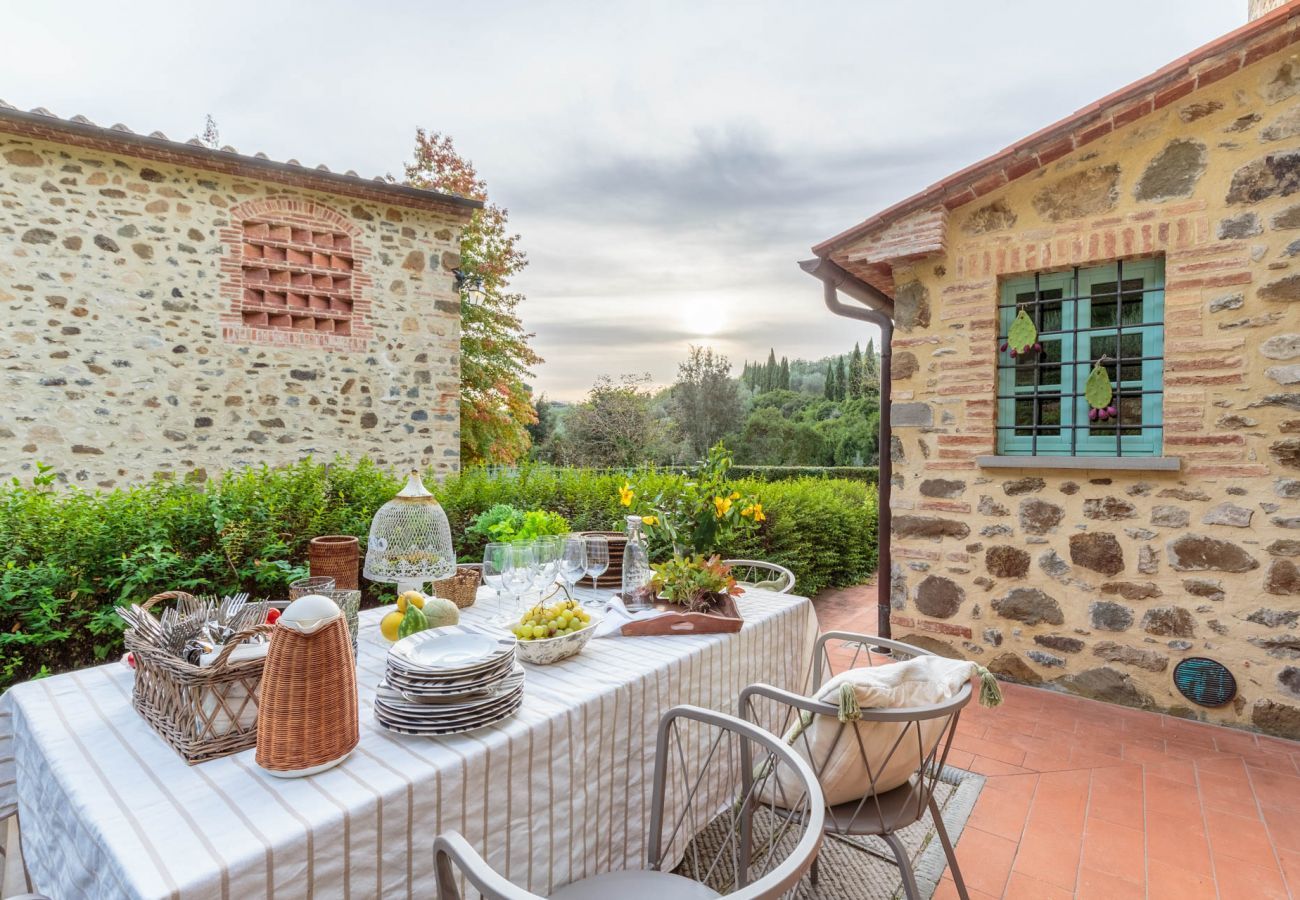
450,679
395,696
445,652
414,714
429,688
426,730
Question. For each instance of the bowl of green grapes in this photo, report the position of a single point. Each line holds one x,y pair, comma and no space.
550,632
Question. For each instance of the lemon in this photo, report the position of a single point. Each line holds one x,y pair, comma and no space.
413,597
388,625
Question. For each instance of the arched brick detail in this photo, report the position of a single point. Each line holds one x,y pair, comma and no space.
294,274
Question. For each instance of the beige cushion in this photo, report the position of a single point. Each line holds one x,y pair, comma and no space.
835,752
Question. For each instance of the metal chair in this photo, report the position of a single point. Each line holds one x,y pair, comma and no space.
760,575
750,858
922,733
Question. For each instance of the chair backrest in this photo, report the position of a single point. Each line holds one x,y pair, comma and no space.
705,761
755,849
859,762
756,573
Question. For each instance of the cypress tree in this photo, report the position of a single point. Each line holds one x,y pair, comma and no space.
841,385
770,373
785,374
855,373
829,390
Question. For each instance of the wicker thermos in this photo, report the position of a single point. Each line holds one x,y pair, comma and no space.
307,713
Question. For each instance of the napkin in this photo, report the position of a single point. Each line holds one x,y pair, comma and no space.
236,694
617,615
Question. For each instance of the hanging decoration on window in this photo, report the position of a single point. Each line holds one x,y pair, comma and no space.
1099,394
1022,336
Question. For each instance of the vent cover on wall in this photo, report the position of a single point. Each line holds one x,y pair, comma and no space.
1204,681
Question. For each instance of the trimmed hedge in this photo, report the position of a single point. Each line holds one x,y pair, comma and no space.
68,557
868,474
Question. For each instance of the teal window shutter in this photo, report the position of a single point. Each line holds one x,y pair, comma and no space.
1113,314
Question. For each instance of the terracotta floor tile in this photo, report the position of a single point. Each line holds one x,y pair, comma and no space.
1276,789
1022,887
985,860
1050,854
1283,828
1170,881
1113,848
1177,842
947,890
1238,881
1002,813
985,766
1172,799
1182,770
1290,860
1102,885
1242,839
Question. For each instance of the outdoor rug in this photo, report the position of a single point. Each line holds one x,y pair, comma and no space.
849,873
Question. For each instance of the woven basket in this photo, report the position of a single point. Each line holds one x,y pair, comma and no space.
335,556
461,588
613,576
203,712
308,711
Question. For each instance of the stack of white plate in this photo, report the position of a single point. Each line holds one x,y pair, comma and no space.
446,681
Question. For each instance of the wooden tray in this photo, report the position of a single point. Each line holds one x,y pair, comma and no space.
725,618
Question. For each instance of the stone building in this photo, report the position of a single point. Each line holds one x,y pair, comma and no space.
172,309
1159,226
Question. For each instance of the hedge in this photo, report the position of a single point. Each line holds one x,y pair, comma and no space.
68,557
868,474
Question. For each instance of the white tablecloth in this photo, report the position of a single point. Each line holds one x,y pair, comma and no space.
557,792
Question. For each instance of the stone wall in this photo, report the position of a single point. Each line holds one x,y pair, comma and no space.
124,355
1099,581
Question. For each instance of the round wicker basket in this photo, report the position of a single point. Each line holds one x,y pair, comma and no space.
335,556
461,588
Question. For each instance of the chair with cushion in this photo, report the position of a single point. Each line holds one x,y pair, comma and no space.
877,733
764,576
706,822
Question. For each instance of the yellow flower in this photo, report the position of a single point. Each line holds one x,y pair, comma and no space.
754,511
625,494
735,495
721,506
650,520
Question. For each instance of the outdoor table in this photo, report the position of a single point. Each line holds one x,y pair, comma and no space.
557,792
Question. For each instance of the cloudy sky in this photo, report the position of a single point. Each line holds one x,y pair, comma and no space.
666,162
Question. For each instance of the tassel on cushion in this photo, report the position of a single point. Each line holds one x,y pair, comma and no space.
849,709
990,693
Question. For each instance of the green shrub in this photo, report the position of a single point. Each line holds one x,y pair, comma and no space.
68,557
869,474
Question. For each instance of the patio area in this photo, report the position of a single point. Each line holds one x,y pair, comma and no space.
1086,799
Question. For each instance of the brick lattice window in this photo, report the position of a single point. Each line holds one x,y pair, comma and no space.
294,277
1113,314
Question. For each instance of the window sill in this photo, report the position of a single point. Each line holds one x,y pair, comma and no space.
1111,463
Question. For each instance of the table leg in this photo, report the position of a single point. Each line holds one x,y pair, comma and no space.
14,881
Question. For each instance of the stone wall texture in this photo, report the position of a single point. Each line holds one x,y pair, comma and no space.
1099,581
124,355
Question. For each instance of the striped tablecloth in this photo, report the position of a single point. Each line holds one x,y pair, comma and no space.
557,792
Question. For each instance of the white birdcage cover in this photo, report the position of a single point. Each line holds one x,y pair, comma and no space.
410,538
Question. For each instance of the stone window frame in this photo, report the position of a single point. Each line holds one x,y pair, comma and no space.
1075,288
345,304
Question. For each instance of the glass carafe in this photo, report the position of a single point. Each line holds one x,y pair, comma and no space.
636,566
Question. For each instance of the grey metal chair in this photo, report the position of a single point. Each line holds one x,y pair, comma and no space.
704,761
767,576
922,733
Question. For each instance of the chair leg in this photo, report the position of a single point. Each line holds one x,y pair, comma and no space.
904,865
948,850
813,873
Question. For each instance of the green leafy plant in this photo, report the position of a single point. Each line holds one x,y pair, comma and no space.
693,581
505,523
704,511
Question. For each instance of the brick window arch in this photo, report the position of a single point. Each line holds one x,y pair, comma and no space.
294,275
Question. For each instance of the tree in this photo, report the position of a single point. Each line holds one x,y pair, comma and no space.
855,373
784,380
613,426
495,356
705,403
841,380
829,390
544,427
769,371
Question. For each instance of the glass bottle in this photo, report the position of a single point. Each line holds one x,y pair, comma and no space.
636,565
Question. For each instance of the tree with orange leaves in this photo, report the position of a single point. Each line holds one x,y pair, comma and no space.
495,405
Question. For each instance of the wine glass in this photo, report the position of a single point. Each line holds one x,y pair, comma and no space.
573,559
597,563
548,550
496,559
519,573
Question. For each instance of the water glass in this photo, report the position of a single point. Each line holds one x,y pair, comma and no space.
519,573
597,563
496,559
573,559
549,550
316,584
350,603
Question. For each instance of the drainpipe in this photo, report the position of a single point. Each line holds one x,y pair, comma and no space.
877,309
